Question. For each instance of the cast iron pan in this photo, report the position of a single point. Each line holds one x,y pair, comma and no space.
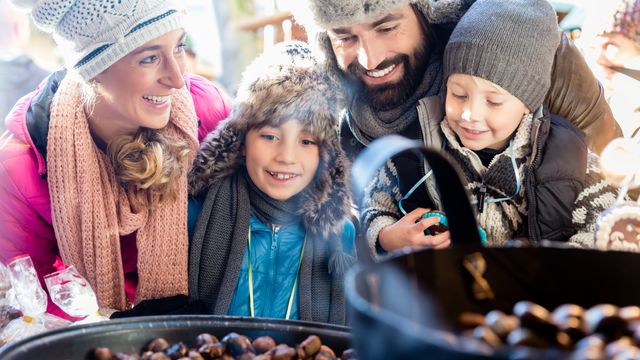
131,334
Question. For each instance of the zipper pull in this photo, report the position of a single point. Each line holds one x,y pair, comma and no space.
482,192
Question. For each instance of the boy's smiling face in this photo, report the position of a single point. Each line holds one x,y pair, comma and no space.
281,160
481,113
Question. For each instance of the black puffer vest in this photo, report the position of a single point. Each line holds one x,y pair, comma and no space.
555,177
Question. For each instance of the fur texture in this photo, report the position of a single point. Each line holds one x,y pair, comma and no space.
322,15
277,87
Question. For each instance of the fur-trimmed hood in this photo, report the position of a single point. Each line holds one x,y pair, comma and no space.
284,84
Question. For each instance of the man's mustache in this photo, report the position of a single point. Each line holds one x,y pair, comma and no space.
356,69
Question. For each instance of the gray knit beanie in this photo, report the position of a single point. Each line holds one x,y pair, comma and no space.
511,43
103,31
322,15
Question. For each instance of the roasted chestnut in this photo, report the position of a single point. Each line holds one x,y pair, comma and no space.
487,335
469,320
310,346
282,352
236,344
102,353
526,337
325,353
630,313
605,319
157,345
263,344
500,323
567,311
194,355
213,350
536,318
177,351
205,338
159,356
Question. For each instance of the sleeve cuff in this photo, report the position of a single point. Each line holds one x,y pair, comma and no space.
375,226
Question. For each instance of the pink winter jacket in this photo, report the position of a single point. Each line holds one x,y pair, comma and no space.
25,205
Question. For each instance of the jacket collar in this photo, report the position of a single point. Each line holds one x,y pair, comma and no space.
29,119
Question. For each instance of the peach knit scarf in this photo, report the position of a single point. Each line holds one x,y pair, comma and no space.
91,210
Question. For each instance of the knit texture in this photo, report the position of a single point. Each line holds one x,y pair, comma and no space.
511,43
91,210
218,247
103,31
501,220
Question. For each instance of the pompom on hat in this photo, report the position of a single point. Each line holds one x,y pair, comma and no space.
103,31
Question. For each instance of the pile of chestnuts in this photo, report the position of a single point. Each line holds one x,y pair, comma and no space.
232,347
603,331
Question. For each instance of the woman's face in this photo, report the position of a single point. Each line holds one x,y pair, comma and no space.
136,91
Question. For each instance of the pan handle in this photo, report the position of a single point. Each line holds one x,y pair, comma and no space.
462,224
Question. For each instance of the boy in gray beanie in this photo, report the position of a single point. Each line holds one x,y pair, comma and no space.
531,174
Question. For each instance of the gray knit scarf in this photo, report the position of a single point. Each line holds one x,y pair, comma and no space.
271,211
372,125
217,250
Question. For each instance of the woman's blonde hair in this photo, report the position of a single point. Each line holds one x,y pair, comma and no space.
148,164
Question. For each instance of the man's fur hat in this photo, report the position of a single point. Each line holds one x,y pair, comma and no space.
284,84
322,15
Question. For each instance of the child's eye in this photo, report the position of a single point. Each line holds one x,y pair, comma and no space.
458,96
269,137
149,59
493,103
308,142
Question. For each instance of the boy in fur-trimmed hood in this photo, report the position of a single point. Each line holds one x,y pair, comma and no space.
273,228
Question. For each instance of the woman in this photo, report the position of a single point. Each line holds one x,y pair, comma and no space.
93,167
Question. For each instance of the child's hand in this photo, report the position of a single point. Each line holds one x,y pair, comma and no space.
409,231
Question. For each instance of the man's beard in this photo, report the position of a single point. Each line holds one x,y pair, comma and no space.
388,96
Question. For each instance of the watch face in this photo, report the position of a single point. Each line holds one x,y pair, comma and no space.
618,228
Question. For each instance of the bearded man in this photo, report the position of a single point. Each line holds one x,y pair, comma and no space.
388,57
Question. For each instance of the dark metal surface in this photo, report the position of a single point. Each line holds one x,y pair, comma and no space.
417,297
130,335
407,306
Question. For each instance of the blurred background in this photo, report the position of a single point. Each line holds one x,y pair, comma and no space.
225,35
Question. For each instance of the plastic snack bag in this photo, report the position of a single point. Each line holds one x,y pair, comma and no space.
73,294
31,299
